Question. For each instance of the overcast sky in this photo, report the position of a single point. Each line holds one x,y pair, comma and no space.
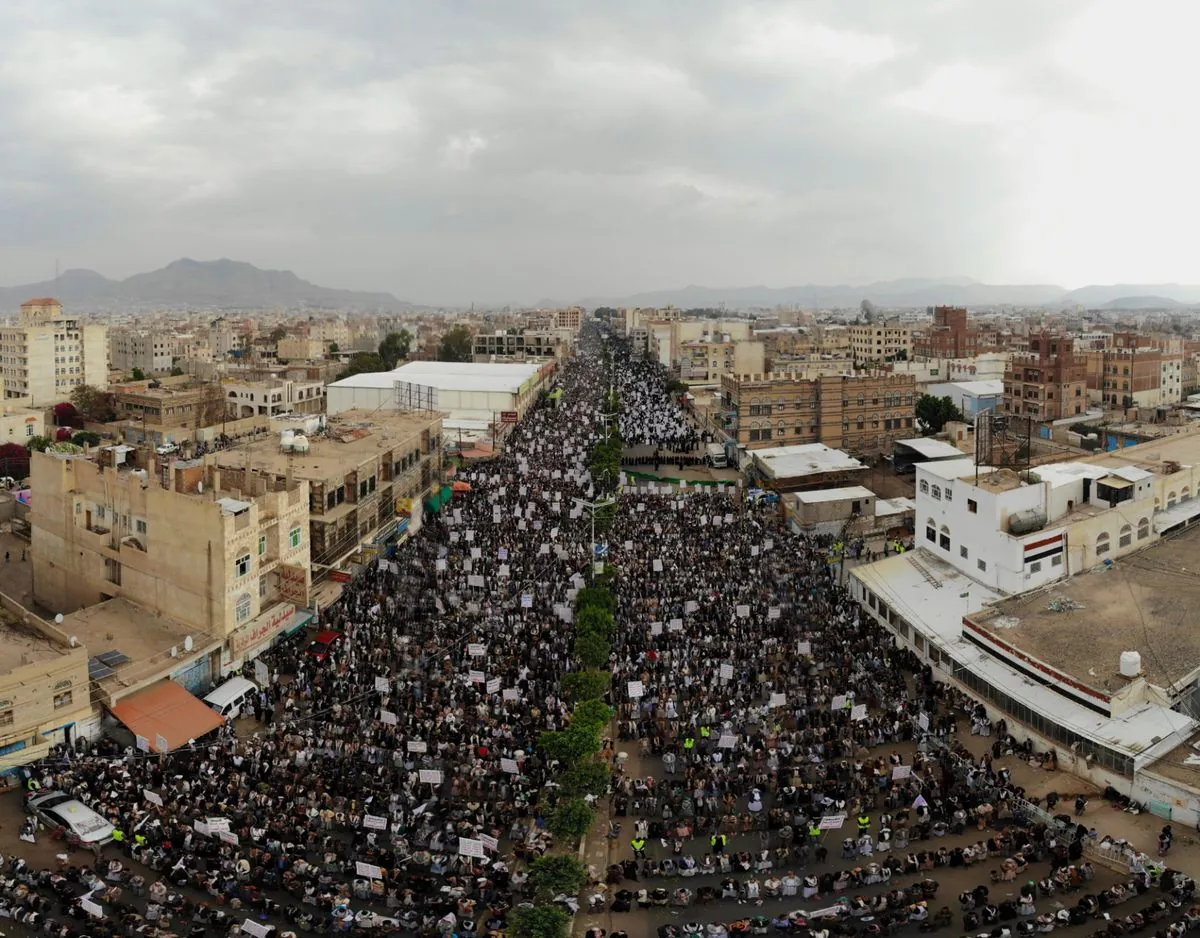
458,150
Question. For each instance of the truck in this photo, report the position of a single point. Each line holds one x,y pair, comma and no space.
716,455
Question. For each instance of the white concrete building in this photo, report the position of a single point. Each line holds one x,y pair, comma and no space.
45,355
150,351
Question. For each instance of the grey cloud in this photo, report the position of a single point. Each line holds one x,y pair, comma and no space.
457,151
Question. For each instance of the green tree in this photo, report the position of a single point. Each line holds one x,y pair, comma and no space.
333,348
571,819
588,778
570,746
95,405
542,921
556,874
596,596
362,362
592,684
39,444
595,621
138,374
278,333
592,714
456,345
592,650
394,348
176,372
86,438
935,412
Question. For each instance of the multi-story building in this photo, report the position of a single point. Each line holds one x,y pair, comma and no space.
21,424
367,475
273,396
44,355
515,345
224,553
295,348
148,351
858,414
952,335
169,404
880,342
1128,371
1047,381
706,360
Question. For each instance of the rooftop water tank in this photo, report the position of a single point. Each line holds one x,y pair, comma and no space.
1131,664
286,439
299,443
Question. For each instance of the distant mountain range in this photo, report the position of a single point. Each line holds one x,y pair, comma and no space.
221,283
913,292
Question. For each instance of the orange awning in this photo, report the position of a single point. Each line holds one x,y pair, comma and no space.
462,486
168,711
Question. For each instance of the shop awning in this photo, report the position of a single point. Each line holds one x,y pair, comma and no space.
166,713
439,498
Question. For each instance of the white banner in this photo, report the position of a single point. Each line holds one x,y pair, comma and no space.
152,797
636,689
386,716
901,771
382,685
373,822
510,766
368,870
430,776
727,672
832,822
858,712
417,745
470,848
489,843
256,929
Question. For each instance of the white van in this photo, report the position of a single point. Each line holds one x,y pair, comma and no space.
716,455
232,697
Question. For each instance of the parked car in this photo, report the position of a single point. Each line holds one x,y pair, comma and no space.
58,809
166,449
324,643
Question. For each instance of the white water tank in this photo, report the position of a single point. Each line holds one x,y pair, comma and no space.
1131,664
299,443
286,439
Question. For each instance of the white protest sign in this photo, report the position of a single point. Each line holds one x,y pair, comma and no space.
228,837
262,673
374,822
255,929
838,702
143,744
417,745
368,870
152,797
470,848
475,580
832,822
477,677
430,776
476,650
510,766
773,612
91,908
217,825
511,693
526,600
636,689
690,606
858,712
901,771
923,722
804,648
386,716
727,672
493,686
658,566
777,700
160,741
656,628
743,612
676,625
201,827
489,843
382,685
726,741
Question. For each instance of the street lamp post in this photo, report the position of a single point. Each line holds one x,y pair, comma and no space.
593,507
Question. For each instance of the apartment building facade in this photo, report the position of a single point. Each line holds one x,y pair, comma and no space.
170,405
858,414
706,362
367,475
515,345
880,342
224,554
299,348
148,351
273,396
45,355
1047,381
952,335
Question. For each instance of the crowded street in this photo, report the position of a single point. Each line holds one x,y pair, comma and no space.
777,765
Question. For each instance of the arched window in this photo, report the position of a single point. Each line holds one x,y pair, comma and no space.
1126,535
1143,529
944,538
1186,494
861,399
925,486
1171,500
931,530
1102,544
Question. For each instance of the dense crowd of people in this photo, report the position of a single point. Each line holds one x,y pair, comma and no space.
397,782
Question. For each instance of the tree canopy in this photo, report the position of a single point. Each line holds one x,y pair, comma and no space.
361,362
456,345
935,412
395,348
93,404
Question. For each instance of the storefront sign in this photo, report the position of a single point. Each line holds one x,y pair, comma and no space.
293,583
262,629
508,416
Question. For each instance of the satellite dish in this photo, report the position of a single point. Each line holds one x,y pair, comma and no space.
187,643
58,618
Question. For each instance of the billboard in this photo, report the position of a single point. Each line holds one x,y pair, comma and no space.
411,396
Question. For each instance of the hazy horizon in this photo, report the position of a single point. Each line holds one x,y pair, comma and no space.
456,153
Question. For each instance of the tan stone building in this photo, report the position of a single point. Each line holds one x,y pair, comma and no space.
299,348
705,362
857,414
182,404
222,554
44,691
1047,381
880,342
367,473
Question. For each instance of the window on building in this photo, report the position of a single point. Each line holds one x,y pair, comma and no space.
1056,560
262,588
241,566
936,492
6,717
1126,535
29,429
982,565
62,699
944,540
972,506
295,536
140,526
931,534
262,544
242,607
924,486
1035,567
1102,544
1143,529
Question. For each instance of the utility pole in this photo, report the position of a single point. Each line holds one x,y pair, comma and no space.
593,507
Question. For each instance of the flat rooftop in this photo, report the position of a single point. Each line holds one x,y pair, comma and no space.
786,462
348,440
450,376
145,638
930,448
834,495
1148,602
20,646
